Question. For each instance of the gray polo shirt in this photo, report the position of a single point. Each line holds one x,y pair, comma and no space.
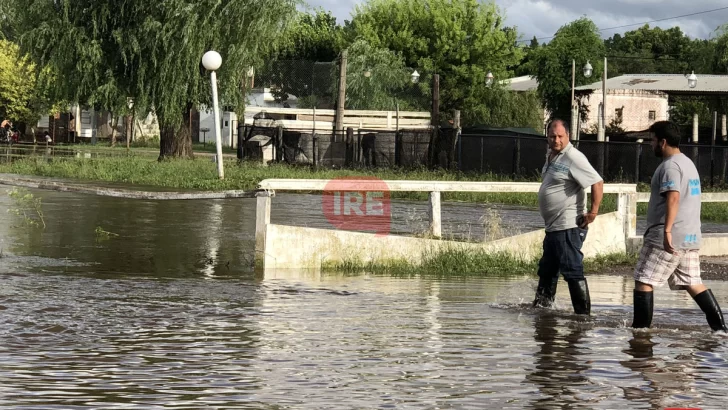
676,173
561,198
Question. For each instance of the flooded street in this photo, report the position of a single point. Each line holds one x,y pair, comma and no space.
145,305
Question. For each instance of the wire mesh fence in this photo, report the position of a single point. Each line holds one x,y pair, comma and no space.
300,83
516,156
626,156
309,84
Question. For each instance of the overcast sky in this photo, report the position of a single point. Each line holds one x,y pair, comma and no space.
543,17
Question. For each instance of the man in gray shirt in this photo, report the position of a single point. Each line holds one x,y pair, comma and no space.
672,239
562,202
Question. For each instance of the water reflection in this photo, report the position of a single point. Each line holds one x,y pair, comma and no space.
560,367
169,314
671,378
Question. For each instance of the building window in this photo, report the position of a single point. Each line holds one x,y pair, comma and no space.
652,115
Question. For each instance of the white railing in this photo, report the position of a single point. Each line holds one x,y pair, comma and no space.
626,205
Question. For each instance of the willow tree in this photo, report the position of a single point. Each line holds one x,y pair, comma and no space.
110,52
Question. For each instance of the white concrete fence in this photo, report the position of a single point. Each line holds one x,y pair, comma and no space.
281,246
713,244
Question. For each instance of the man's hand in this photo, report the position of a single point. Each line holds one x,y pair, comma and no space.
667,243
586,219
672,203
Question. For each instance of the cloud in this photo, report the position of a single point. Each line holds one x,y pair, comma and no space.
342,9
541,18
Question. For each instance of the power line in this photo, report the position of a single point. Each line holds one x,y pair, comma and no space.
657,57
643,23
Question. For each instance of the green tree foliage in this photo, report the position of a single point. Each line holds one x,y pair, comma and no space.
551,64
683,109
377,79
461,40
22,98
656,50
653,50
311,37
106,51
7,18
524,68
503,108
292,68
720,61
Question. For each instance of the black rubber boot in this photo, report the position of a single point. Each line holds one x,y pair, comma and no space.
643,305
710,307
546,292
580,299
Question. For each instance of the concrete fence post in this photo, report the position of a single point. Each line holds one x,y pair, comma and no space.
435,215
627,209
262,219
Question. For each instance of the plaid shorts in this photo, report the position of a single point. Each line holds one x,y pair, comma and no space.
656,266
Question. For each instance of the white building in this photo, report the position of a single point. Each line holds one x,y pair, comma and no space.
640,100
262,98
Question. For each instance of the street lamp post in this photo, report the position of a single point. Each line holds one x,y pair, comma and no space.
601,134
574,108
212,61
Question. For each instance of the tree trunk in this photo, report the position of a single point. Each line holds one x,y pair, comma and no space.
128,129
114,123
175,141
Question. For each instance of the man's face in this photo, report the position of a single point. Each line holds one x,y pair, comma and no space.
558,137
657,146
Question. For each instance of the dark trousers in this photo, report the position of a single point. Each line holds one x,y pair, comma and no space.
562,253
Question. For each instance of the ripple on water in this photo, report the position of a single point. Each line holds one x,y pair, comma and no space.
76,341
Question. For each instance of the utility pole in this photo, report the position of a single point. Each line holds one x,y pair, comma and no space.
435,117
339,121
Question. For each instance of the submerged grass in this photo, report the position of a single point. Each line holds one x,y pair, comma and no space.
201,174
456,262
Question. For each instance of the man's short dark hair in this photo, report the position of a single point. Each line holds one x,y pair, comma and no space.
555,121
668,131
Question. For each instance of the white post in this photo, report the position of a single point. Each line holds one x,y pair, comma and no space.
262,220
600,123
723,128
695,128
216,115
627,209
435,215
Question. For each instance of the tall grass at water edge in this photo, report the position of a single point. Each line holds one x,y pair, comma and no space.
201,174
457,262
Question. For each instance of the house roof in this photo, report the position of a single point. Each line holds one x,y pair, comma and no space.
663,82
523,83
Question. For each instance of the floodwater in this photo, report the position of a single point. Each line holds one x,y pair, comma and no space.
164,311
